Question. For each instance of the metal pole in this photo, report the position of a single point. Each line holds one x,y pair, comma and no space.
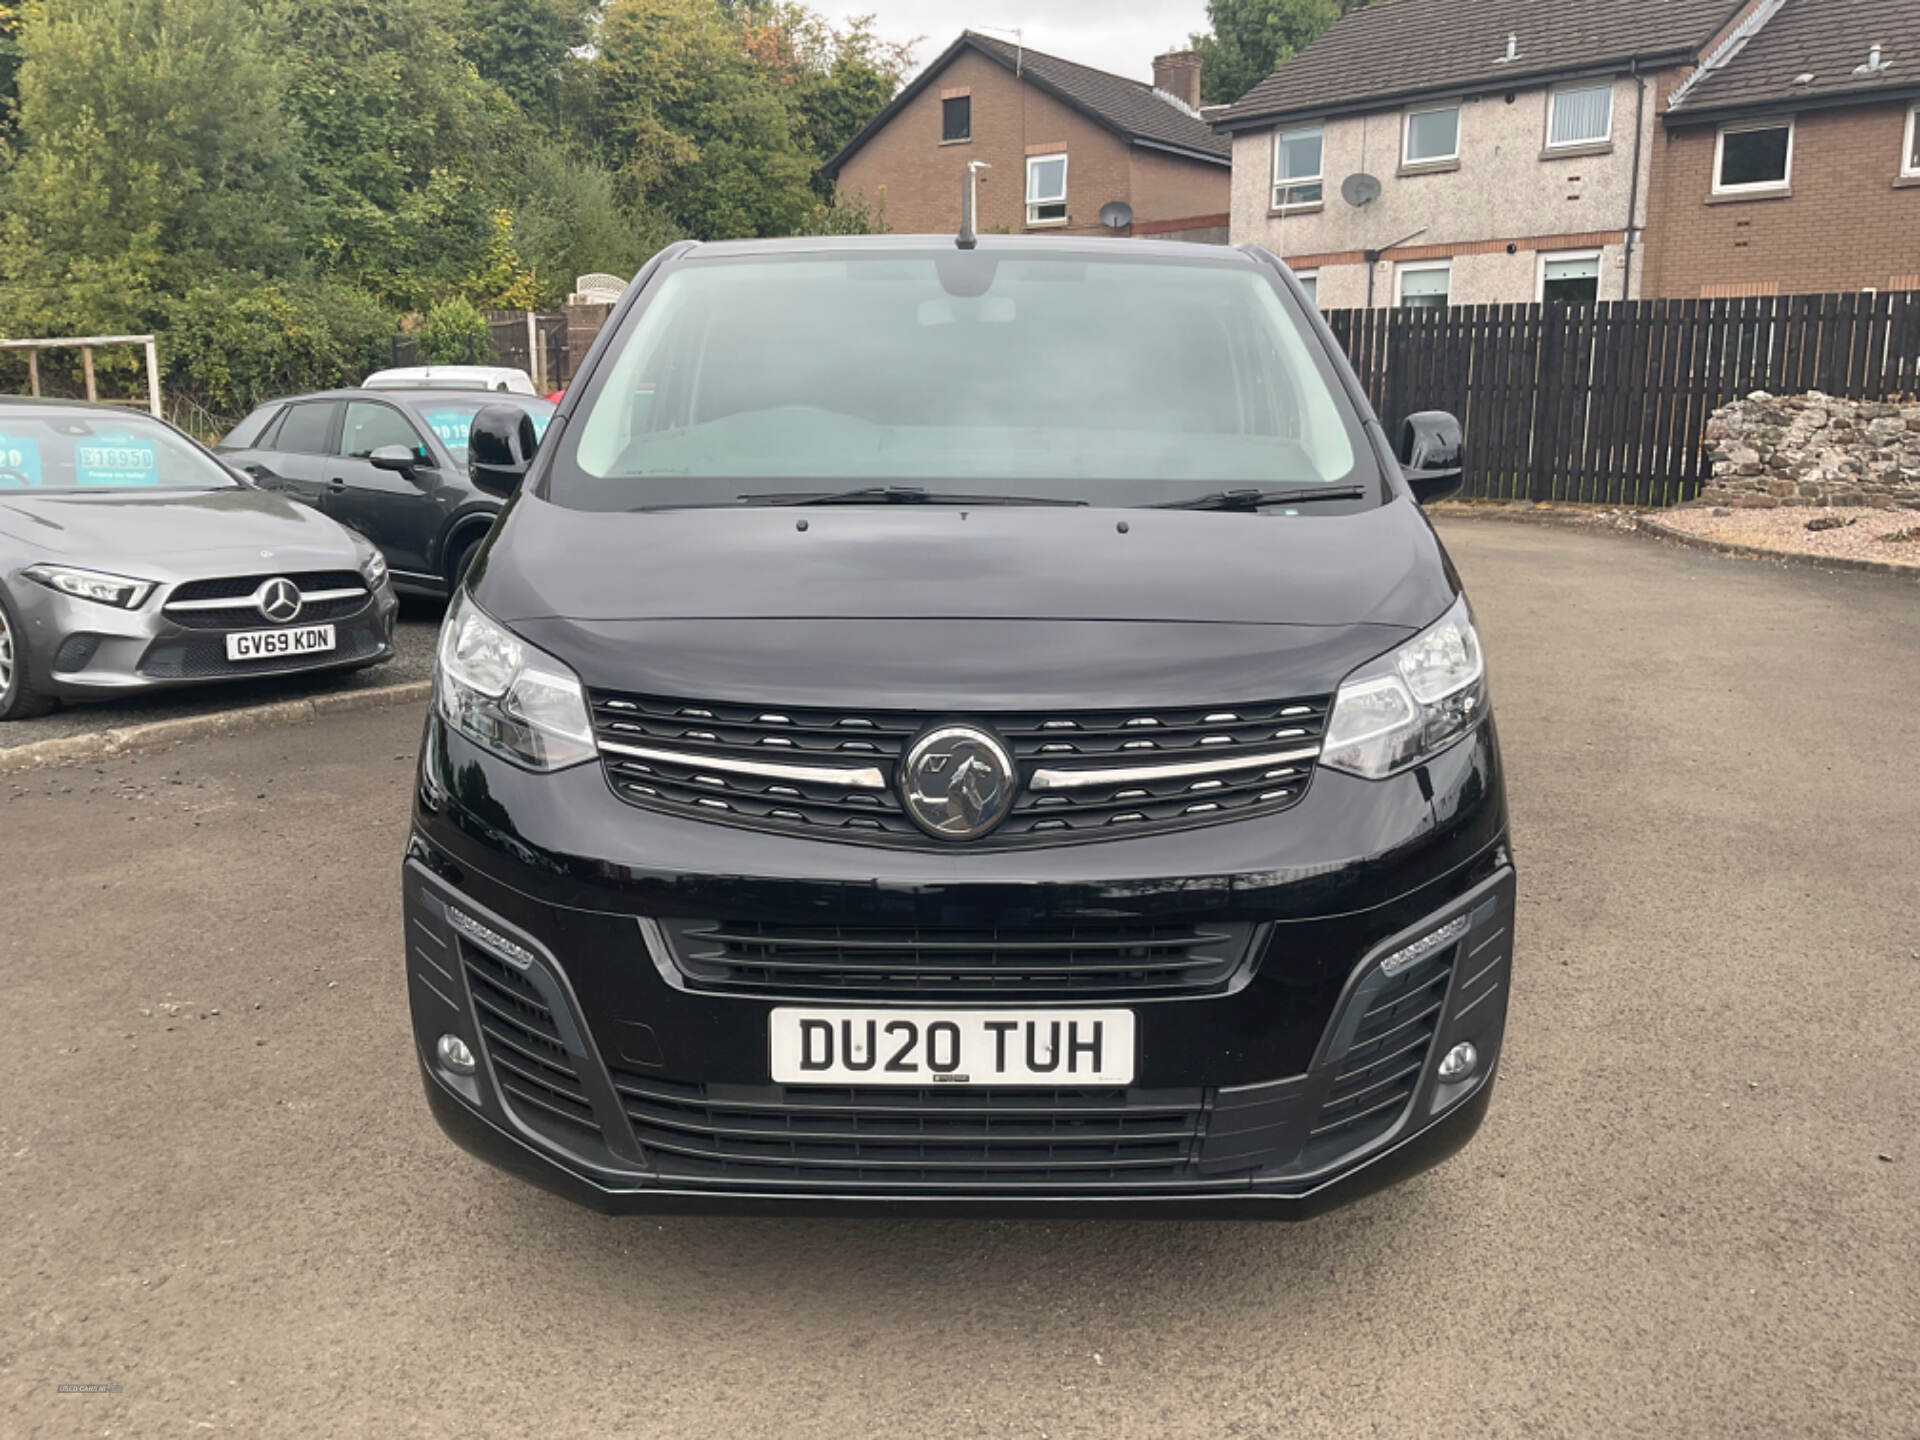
533,352
153,377
86,365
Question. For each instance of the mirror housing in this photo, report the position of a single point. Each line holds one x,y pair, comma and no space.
399,458
500,448
1432,455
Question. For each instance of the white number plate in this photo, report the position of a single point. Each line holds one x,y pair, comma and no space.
266,644
952,1047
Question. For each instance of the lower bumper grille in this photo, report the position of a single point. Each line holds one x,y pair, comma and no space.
1112,959
535,1073
926,1137
204,657
1382,1066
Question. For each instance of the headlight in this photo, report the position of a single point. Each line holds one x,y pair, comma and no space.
1411,703
92,585
502,693
374,567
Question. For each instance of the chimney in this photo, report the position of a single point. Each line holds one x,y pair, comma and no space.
1178,73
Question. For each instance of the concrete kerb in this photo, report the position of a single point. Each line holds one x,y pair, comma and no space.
159,734
1655,530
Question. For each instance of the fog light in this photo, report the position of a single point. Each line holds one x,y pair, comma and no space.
1457,1064
455,1055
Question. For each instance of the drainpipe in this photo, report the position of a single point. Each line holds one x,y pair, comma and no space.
1372,257
1633,187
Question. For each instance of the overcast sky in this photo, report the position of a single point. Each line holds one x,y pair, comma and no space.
1118,35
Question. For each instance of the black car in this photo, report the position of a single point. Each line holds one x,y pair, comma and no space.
961,728
388,463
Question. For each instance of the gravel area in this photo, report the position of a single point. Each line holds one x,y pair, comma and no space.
414,640
1861,534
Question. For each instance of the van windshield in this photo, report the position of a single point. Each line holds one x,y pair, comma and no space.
1115,382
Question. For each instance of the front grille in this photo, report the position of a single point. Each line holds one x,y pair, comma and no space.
232,587
247,617
922,1137
687,738
535,1073
1113,958
1382,1066
204,657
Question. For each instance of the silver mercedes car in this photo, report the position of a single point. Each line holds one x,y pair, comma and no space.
131,558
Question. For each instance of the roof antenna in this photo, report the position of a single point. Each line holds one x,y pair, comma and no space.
969,200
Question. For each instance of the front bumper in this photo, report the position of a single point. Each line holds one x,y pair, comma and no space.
661,1097
81,650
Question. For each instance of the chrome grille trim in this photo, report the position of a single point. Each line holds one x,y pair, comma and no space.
1079,779
861,778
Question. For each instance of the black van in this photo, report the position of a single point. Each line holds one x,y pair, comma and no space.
951,726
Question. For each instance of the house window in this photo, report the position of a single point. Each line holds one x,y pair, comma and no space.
1570,278
1910,156
1432,135
956,119
1425,287
1581,115
1753,157
1309,282
1046,189
1296,168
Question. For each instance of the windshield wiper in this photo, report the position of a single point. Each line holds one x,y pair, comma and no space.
1254,499
898,495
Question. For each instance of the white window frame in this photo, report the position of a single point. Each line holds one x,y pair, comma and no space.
1910,145
1406,134
1281,185
1419,267
1061,199
1540,271
1553,98
1310,277
1755,187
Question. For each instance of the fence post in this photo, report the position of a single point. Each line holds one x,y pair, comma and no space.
86,366
33,373
153,379
534,367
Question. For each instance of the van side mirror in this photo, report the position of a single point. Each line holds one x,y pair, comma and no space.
1432,455
500,447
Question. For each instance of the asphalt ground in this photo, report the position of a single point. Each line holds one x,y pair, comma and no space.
414,638
1694,1209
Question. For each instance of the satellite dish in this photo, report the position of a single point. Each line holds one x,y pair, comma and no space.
1360,189
1116,215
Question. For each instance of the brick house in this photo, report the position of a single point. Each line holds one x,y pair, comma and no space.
1062,140
1789,163
1433,152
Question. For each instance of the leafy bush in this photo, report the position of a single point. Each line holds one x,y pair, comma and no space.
455,334
230,344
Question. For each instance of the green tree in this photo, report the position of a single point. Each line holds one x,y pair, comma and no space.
718,113
569,219
152,155
1251,39
523,46
402,142
11,24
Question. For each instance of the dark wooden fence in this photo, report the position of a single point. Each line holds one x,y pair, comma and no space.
1609,403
